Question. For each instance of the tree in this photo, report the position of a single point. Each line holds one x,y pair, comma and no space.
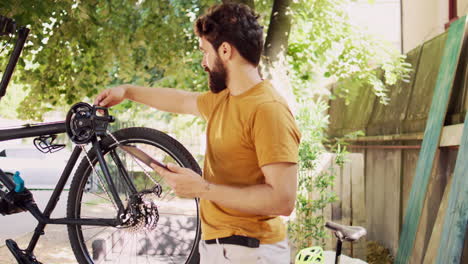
77,48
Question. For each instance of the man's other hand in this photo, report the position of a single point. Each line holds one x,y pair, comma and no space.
185,182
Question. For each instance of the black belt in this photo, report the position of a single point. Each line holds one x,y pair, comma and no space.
237,240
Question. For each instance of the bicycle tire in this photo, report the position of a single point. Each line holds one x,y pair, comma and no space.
78,192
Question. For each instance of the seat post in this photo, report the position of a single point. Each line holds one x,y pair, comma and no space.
338,251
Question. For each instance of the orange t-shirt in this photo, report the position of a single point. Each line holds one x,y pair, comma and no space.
244,133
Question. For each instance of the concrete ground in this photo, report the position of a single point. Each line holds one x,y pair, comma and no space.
54,246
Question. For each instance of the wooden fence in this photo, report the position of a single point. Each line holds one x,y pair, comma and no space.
373,187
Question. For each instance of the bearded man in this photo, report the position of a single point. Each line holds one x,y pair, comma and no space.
250,171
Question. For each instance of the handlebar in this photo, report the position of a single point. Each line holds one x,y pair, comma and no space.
8,26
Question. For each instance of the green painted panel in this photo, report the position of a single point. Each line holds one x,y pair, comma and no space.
354,116
456,216
424,85
430,143
387,119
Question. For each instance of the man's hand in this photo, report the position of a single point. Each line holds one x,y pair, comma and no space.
111,97
185,182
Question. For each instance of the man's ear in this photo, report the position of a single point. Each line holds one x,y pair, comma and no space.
225,51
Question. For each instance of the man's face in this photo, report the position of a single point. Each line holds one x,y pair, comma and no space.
212,64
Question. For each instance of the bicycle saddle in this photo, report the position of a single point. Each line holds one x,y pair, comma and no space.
348,233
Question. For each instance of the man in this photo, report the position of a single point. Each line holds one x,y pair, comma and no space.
250,170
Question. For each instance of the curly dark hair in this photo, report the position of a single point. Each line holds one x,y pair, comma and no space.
235,24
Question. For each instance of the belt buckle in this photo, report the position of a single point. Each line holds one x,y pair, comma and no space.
253,242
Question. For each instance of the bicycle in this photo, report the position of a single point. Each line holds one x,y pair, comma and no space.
117,209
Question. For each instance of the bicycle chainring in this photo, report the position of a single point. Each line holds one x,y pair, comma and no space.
80,126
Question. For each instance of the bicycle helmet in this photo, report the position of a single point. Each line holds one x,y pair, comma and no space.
311,255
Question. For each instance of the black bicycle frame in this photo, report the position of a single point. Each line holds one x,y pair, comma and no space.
44,217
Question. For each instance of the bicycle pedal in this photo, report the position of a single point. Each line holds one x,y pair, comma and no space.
20,255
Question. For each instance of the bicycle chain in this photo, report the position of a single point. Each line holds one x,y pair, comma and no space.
134,159
97,176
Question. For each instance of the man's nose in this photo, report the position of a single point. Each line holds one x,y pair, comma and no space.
203,64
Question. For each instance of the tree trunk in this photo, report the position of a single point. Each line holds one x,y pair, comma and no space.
250,3
276,42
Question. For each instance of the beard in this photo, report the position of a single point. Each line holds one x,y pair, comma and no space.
217,76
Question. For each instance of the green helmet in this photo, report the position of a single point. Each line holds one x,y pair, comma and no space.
311,255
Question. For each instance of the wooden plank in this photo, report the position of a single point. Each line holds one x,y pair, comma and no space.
410,159
383,184
371,194
434,242
346,200
464,258
391,192
431,140
336,206
358,202
456,216
327,214
451,135
434,194
327,211
314,196
380,168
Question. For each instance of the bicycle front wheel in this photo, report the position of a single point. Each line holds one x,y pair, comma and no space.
176,235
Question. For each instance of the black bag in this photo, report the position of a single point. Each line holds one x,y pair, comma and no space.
13,202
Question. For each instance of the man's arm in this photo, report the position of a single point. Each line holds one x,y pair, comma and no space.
275,197
164,99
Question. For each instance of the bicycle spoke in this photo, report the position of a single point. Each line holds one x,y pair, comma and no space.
100,196
178,214
167,193
97,234
94,227
113,245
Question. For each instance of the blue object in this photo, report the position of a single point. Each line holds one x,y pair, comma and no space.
19,182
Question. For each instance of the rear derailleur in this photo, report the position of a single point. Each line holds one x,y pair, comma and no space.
141,213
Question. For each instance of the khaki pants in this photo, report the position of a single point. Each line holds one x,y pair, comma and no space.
278,253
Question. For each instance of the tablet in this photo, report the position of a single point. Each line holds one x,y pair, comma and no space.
142,156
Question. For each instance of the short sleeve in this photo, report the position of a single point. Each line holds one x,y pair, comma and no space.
275,134
205,104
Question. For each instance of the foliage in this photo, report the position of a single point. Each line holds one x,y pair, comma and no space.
307,228
76,48
8,105
326,45
323,49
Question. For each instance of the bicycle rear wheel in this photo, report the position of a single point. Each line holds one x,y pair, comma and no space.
176,236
